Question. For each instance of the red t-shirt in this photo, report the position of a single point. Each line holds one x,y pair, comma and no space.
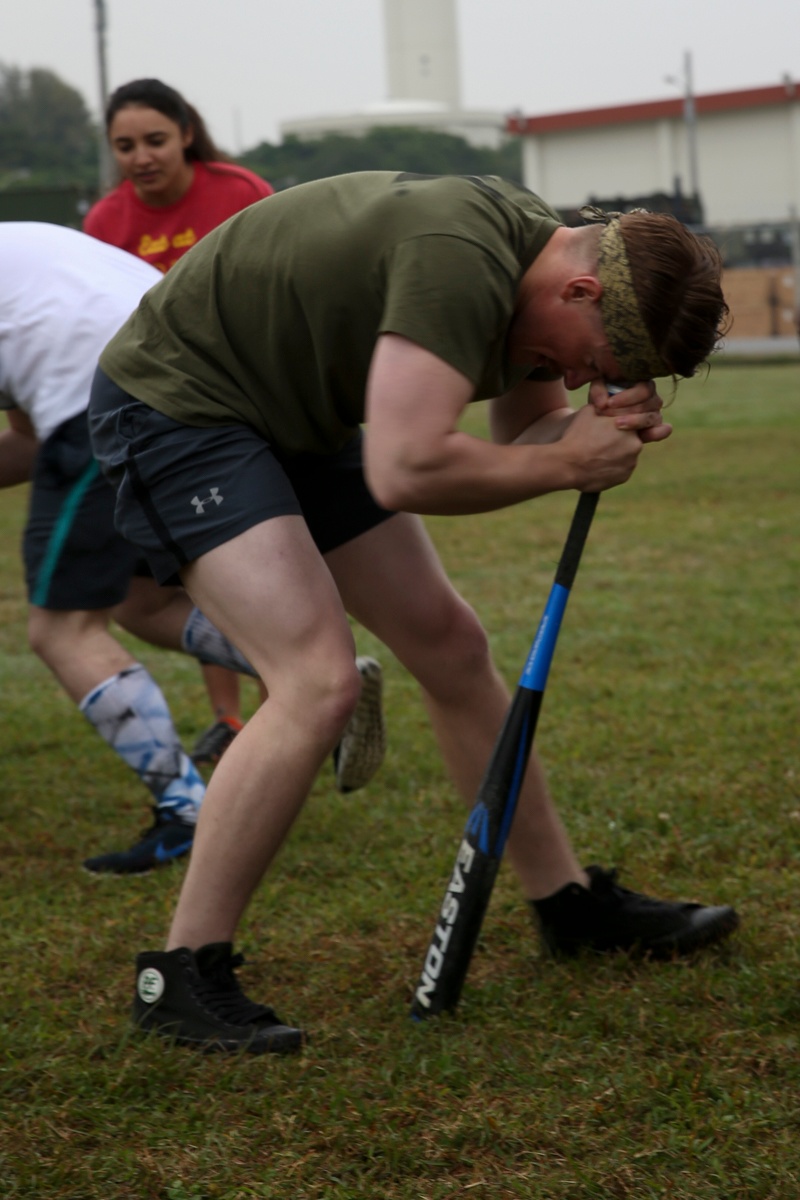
161,235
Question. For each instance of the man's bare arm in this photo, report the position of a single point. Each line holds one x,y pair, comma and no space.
18,448
539,412
417,459
531,413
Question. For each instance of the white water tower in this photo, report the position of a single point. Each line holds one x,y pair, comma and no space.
422,51
424,87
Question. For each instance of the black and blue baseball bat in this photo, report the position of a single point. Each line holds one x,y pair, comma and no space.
481,849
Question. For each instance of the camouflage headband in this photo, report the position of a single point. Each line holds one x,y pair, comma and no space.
622,318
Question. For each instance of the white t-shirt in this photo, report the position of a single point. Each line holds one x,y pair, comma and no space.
63,295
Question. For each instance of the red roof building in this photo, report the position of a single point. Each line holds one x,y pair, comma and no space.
747,145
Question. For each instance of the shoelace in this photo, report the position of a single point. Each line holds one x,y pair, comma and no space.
219,990
215,741
159,821
604,884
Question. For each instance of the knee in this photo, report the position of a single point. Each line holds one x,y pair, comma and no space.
468,645
344,697
453,643
326,696
55,635
42,632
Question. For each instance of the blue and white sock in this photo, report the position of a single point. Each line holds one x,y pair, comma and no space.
130,713
205,642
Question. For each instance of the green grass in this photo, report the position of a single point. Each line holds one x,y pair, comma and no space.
670,734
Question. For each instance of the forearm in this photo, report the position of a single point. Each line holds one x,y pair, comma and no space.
533,413
418,460
462,474
17,456
547,429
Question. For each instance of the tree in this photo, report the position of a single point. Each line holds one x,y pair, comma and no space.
46,132
392,148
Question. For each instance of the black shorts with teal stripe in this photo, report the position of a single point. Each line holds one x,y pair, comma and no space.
74,558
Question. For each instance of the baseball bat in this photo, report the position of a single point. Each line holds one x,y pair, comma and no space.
488,825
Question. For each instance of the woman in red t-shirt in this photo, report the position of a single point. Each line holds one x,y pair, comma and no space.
176,186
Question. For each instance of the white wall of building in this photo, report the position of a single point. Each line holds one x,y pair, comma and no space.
748,162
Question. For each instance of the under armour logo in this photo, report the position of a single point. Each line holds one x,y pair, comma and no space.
200,505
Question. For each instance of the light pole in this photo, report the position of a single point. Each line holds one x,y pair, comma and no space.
690,116
690,122
104,158
794,233
794,189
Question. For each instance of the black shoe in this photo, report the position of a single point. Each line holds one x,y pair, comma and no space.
214,741
195,999
167,838
608,917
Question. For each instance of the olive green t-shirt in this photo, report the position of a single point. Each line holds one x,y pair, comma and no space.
272,318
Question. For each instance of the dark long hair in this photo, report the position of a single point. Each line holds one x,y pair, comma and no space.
152,93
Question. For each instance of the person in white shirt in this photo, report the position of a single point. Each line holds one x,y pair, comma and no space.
63,295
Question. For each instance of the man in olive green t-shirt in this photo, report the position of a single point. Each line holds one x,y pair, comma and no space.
287,348
227,412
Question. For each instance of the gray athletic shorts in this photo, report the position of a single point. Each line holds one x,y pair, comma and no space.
183,490
75,560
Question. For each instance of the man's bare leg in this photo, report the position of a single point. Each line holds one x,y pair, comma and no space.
119,697
77,647
438,638
286,616
155,614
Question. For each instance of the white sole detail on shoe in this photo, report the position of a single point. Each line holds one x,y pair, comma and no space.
362,746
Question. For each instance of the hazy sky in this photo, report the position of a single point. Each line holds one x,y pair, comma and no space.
249,64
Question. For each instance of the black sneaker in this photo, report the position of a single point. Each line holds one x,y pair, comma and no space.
167,838
360,750
195,999
214,741
608,917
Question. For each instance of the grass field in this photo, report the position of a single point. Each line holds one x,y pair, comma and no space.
670,734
